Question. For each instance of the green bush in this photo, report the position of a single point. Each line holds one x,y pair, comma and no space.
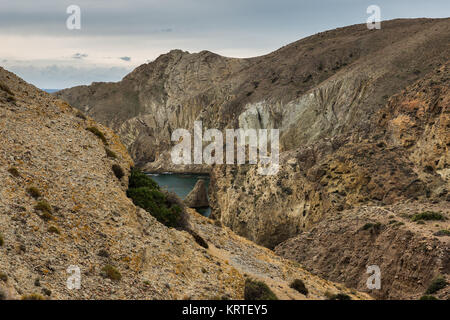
436,285
299,285
43,206
11,99
110,153
111,272
428,216
139,179
118,171
46,210
154,202
103,253
98,133
164,206
33,296
340,296
257,290
14,172
442,233
34,192
372,226
53,229
427,297
47,292
5,88
3,277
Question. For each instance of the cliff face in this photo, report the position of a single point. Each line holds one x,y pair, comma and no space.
63,205
403,155
320,86
363,118
399,171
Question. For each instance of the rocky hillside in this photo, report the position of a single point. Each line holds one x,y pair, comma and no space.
404,155
410,254
63,203
403,159
364,121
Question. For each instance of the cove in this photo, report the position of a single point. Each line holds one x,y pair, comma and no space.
181,185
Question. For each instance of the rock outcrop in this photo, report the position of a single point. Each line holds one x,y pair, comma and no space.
198,197
64,209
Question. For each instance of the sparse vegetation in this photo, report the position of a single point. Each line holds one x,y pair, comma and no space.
118,171
46,210
111,272
11,99
154,202
2,242
5,88
257,290
428,297
436,285
372,226
3,277
33,296
47,292
46,216
53,229
34,192
340,296
428,216
138,179
43,206
299,285
98,133
103,253
110,153
81,115
14,172
146,194
442,233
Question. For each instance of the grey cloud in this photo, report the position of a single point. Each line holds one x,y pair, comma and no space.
125,58
79,56
248,26
199,17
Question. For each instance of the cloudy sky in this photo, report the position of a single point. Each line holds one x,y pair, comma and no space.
117,36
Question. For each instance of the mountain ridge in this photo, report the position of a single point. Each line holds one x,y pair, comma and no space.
363,120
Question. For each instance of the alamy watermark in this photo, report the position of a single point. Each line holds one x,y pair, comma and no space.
255,142
374,280
74,280
374,20
73,22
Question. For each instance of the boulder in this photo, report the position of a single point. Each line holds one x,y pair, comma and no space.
198,197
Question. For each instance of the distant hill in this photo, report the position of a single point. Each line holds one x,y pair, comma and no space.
51,90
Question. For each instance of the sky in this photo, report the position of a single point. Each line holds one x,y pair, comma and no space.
117,36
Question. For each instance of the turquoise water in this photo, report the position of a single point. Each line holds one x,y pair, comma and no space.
181,185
